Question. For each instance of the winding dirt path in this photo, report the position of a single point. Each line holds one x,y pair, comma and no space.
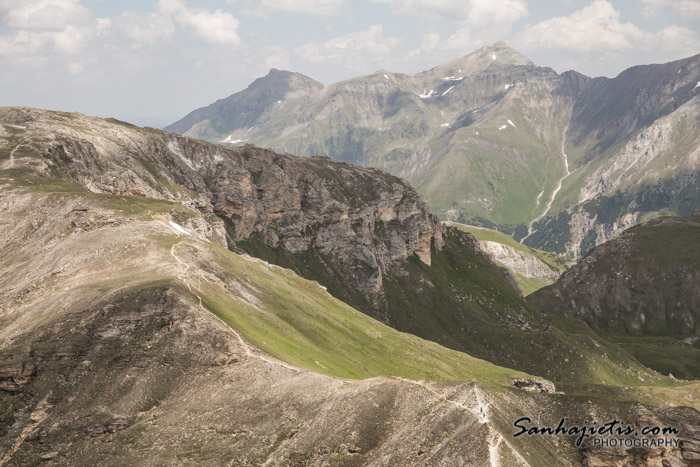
495,438
11,161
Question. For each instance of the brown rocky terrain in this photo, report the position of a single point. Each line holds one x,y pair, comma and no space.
363,234
114,360
130,335
644,282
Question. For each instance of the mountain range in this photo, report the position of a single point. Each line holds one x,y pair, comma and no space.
168,300
560,162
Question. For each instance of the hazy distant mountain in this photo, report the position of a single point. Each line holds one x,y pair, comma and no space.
483,139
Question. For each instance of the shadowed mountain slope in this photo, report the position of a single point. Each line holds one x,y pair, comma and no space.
641,290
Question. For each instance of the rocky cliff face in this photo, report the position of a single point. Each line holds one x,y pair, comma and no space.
364,222
361,233
525,265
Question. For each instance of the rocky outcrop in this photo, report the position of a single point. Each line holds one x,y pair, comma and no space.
644,282
483,139
14,376
535,385
362,221
517,261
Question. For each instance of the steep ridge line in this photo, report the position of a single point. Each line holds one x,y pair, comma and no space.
246,348
481,404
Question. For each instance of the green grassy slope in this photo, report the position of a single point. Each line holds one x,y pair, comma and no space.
294,319
464,303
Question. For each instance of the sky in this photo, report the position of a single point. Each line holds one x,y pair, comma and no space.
150,62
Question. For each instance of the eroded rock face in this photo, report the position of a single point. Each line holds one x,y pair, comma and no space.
535,385
526,265
311,205
364,222
14,376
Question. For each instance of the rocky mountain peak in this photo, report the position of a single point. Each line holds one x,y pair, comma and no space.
499,54
286,81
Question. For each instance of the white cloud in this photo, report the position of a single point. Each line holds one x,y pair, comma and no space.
430,41
314,7
169,7
596,27
71,40
353,46
461,40
219,27
685,9
480,22
44,27
276,57
475,13
42,14
145,29
676,38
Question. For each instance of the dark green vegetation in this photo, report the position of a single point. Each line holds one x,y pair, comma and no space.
671,355
463,302
641,291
